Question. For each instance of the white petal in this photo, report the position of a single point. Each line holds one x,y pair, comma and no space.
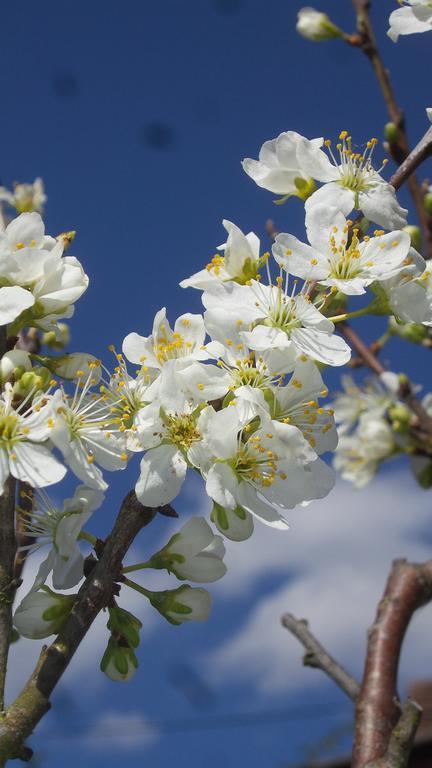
326,348
13,301
163,470
222,485
35,464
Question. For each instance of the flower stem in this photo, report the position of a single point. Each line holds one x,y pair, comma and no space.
85,536
137,588
349,315
136,567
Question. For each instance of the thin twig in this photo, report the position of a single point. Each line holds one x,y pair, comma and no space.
316,656
409,586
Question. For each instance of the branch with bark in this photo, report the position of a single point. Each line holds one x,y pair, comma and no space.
31,705
384,731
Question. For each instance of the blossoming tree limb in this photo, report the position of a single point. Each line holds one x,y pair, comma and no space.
235,395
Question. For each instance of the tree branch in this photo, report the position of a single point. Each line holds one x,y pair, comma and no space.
7,581
400,147
420,152
409,586
95,594
423,429
401,739
316,656
7,556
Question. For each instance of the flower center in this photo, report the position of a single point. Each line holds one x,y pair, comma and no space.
256,463
169,347
344,260
182,430
9,428
355,168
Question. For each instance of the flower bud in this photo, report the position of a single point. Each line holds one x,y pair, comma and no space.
119,661
76,364
42,613
194,553
57,339
413,332
36,379
428,201
236,524
415,235
391,133
13,364
183,604
316,26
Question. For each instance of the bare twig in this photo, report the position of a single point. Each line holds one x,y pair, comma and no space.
378,710
400,147
95,594
316,656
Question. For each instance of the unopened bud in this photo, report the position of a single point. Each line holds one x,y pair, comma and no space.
391,133
183,604
57,339
13,364
43,613
415,235
316,26
428,202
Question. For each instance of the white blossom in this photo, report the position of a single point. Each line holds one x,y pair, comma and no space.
60,528
185,342
34,274
25,197
279,169
414,16
409,294
42,613
265,317
240,260
263,470
194,553
315,25
332,260
359,454
23,431
86,431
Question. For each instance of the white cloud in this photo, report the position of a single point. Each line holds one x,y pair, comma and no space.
121,731
333,564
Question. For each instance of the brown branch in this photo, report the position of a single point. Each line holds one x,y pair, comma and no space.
7,581
423,425
420,152
401,739
95,594
316,656
7,556
24,508
400,147
409,586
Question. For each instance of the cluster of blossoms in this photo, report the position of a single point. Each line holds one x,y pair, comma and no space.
234,395
374,426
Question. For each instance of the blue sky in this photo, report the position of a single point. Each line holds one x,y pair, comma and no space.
137,115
